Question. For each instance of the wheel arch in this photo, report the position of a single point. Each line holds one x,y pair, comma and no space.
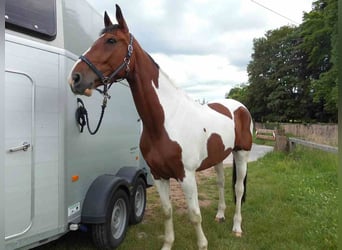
99,195
131,174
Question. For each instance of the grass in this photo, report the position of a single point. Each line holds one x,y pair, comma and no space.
291,204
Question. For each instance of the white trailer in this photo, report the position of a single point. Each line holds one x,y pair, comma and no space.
56,178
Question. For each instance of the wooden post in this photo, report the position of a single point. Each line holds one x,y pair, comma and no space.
281,143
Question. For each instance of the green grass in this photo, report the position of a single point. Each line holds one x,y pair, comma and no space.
299,194
291,204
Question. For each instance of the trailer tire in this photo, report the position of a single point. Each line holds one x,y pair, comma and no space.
110,234
138,203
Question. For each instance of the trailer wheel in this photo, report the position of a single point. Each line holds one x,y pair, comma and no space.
138,203
111,233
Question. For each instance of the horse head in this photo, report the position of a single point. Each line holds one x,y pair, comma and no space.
107,60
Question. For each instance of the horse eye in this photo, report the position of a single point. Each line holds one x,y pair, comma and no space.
111,41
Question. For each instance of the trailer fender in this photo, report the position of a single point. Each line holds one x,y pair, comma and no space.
99,195
131,174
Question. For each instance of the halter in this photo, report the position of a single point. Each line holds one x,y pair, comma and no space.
107,80
81,112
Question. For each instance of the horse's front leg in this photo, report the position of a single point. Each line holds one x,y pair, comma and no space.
189,187
163,187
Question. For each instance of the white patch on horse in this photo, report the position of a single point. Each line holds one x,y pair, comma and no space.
190,124
70,80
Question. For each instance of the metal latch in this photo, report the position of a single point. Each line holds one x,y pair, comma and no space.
23,147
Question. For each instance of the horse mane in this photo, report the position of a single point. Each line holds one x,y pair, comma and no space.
157,65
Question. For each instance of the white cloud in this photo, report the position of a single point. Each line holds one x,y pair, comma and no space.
191,69
204,45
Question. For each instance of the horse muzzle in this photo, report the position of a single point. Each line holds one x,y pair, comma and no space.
78,87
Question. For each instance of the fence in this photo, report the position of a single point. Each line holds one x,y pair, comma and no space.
266,134
327,148
318,133
282,143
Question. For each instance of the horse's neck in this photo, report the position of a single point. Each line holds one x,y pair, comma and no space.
153,92
171,97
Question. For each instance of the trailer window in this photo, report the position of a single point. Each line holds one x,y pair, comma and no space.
33,17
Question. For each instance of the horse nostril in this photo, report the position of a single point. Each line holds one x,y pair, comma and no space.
76,77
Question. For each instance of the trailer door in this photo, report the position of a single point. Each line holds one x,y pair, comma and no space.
19,110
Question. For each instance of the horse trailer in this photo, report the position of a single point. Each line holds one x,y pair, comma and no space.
51,186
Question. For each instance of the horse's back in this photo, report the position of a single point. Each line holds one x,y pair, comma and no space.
231,104
235,107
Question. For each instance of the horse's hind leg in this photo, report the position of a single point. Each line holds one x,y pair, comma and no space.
220,184
163,187
189,187
240,165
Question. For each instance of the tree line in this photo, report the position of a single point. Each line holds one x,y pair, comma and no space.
292,75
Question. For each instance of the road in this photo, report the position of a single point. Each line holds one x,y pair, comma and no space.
257,152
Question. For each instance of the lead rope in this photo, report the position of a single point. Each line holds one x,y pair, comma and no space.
82,116
81,112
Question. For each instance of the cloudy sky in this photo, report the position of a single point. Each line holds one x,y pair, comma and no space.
204,45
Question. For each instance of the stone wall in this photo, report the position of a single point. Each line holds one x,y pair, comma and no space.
319,133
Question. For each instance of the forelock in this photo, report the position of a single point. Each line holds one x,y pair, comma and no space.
109,29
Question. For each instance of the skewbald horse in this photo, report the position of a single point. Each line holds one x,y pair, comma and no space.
179,136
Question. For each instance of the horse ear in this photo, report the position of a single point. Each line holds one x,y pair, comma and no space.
107,21
120,19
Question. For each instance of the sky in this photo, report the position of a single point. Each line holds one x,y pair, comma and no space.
204,45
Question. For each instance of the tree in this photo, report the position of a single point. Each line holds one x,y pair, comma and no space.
258,72
319,32
238,93
293,71
276,83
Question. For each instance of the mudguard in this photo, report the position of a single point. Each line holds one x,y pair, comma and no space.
98,197
131,174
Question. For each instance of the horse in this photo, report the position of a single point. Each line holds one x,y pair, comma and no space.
179,136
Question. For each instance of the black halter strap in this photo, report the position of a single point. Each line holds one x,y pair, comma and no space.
81,112
93,67
108,79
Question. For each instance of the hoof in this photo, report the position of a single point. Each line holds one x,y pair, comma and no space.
238,234
166,246
220,220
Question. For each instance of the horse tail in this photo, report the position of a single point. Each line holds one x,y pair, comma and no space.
234,179
243,199
244,188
